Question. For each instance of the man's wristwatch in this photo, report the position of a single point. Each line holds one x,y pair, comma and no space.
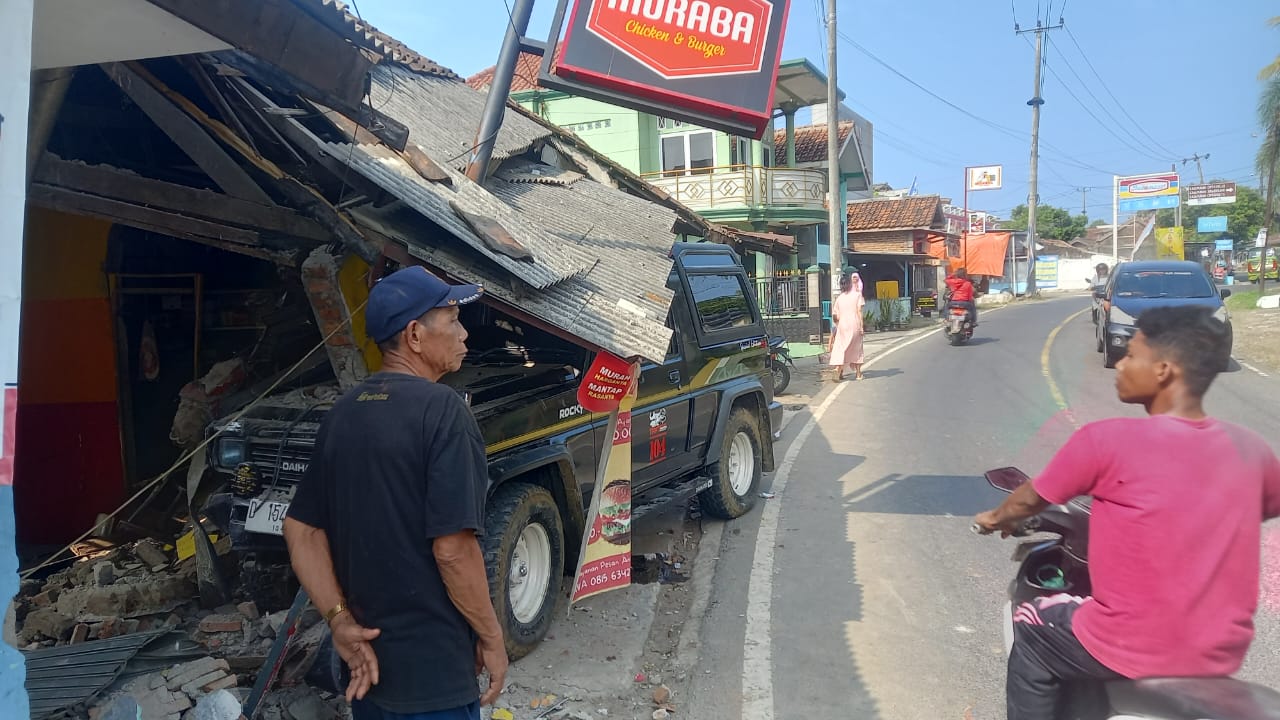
335,612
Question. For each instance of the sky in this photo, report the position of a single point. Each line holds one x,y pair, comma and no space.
1129,87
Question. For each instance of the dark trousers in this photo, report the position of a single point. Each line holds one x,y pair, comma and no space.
366,710
1051,675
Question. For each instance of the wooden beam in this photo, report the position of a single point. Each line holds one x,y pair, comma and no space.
280,34
117,184
187,134
223,237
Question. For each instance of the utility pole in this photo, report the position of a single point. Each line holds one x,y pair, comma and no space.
495,106
1084,202
1033,195
836,211
1196,159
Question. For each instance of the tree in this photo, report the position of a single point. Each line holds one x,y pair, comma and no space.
1054,223
1273,69
1244,217
1268,162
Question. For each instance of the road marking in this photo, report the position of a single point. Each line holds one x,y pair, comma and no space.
1054,390
1247,366
757,651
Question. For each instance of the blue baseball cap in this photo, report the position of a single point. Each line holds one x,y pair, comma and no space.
406,295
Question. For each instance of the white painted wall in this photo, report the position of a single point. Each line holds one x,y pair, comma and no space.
15,91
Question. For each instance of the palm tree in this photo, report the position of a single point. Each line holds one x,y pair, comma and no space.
1273,69
1268,160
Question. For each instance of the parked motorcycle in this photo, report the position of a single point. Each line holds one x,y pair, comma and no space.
1061,565
956,323
779,360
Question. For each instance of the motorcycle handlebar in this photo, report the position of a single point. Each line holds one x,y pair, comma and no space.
1027,527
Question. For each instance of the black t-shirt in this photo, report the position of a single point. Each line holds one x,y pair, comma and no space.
399,460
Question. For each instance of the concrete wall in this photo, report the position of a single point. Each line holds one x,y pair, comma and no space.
15,92
613,131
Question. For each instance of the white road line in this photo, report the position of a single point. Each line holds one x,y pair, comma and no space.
757,651
1247,366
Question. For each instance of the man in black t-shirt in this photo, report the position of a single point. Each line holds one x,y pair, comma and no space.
383,529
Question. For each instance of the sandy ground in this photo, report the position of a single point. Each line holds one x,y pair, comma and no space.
1257,338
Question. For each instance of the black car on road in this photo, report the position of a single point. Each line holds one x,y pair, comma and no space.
1135,287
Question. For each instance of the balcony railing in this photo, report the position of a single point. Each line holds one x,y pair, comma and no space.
744,186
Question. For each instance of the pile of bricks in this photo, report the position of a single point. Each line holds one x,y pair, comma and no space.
173,693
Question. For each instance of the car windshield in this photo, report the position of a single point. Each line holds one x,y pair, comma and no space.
1163,283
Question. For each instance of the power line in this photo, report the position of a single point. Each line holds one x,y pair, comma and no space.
1116,100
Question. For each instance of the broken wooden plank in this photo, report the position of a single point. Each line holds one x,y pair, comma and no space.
495,237
187,134
117,184
223,237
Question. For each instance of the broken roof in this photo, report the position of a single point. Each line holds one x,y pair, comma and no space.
917,212
335,15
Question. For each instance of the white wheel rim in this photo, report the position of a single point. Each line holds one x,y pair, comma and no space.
742,464
529,573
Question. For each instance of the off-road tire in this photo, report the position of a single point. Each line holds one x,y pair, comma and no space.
513,507
720,500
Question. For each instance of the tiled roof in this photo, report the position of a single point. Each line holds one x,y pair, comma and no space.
525,78
811,143
917,211
337,17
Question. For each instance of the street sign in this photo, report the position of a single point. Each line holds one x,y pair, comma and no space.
1217,193
1148,192
1226,244
1261,240
1216,223
710,62
986,177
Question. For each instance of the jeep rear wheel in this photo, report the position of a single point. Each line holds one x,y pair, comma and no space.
524,558
736,476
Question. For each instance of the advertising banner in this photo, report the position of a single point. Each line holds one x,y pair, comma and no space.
1148,192
986,177
1218,193
1169,244
1046,271
1224,245
1216,223
604,563
977,223
710,62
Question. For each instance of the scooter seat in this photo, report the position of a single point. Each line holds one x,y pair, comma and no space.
1194,699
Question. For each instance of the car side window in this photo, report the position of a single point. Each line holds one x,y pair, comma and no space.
673,348
721,301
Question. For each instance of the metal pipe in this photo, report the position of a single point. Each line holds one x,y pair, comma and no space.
495,107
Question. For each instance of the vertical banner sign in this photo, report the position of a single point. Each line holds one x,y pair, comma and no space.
1169,244
1047,271
604,563
710,62
15,92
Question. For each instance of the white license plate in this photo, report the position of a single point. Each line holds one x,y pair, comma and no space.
266,516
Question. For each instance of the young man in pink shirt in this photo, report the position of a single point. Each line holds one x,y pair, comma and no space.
1174,544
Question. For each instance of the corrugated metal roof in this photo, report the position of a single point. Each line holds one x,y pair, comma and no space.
553,260
71,675
585,307
443,116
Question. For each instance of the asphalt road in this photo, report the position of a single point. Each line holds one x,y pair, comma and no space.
858,589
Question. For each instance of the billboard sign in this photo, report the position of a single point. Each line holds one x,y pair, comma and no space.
1217,193
1213,224
1224,244
986,177
1169,244
713,63
1148,192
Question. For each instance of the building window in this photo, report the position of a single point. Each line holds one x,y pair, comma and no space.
721,301
688,153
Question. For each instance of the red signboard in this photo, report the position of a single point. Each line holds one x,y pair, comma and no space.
605,384
710,62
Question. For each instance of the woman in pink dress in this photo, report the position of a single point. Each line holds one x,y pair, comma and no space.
846,313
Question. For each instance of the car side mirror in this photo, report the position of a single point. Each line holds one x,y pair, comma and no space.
1225,293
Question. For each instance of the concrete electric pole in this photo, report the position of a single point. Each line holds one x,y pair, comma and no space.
1196,159
836,211
1084,199
1033,195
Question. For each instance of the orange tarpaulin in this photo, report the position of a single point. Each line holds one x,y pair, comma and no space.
985,254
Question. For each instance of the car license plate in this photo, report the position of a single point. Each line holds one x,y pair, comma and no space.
266,516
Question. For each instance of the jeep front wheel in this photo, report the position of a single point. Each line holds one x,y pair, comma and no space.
735,477
524,557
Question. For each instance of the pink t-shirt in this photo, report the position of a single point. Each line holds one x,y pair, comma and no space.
1174,541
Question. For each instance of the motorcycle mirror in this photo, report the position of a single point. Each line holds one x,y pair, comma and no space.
1006,479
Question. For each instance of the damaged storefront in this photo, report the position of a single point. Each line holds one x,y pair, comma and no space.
202,232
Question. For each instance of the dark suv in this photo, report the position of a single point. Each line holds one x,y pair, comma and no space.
704,424
1135,287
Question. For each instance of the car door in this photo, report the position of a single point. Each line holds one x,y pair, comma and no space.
660,421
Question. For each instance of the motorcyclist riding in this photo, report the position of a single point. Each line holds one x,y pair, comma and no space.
961,294
1178,502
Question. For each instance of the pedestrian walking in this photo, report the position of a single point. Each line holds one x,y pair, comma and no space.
846,314
383,530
